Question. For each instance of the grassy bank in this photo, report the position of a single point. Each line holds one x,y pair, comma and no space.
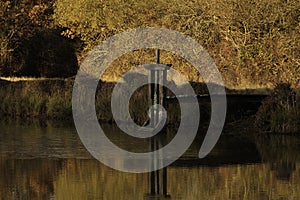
30,99
52,99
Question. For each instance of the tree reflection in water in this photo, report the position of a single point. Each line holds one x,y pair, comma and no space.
50,163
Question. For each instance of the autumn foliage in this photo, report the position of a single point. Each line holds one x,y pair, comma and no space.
254,43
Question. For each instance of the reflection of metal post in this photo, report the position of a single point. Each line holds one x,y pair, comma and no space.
157,95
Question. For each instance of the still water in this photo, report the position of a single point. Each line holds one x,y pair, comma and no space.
48,161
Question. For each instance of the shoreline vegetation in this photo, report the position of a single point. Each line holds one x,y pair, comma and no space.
255,45
279,112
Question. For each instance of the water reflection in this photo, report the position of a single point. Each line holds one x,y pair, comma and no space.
282,152
49,162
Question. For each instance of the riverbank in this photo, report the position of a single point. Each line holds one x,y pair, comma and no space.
52,99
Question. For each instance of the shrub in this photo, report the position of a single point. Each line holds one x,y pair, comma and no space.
30,44
253,42
280,111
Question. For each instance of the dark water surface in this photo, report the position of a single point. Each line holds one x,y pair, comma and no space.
49,162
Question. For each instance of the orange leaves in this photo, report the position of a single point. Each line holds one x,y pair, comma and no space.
38,14
68,33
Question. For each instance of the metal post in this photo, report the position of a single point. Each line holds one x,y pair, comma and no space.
157,95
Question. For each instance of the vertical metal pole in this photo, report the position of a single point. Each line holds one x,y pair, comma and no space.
157,94
152,189
163,172
158,101
157,56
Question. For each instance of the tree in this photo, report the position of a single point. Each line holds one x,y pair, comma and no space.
253,42
30,42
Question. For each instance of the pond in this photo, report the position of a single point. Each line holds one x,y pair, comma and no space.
48,161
